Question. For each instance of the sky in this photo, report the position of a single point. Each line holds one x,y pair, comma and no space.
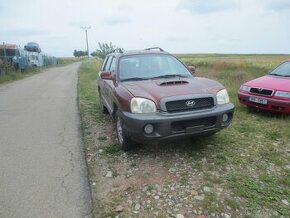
177,26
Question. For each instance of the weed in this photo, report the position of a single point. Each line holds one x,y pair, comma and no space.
214,179
232,203
108,214
184,179
102,138
149,188
133,164
112,149
115,173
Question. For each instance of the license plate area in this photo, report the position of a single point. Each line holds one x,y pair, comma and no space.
258,100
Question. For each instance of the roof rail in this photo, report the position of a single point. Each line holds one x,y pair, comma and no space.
119,50
160,49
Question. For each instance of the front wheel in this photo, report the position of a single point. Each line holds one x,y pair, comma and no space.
125,143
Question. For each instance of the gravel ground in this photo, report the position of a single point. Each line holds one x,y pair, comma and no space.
162,179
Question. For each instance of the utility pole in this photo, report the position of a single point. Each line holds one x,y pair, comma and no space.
86,28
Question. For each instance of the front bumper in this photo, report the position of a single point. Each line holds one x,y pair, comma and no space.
273,105
174,125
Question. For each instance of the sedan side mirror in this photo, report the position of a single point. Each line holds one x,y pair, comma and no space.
191,69
106,75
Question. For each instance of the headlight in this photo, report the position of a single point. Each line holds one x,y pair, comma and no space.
142,105
245,88
282,94
222,97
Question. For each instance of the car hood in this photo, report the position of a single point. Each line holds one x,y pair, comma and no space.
160,88
271,82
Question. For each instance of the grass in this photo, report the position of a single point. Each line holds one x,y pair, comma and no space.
251,134
112,149
184,179
249,159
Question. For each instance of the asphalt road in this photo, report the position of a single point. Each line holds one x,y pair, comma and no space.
43,171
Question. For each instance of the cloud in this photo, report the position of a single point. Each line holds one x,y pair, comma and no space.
277,5
116,20
207,6
184,26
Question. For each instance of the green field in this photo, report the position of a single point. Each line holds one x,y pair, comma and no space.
242,171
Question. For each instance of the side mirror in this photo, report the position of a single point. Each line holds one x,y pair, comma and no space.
191,69
106,75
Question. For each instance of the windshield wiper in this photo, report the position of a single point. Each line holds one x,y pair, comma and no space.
134,79
274,74
169,75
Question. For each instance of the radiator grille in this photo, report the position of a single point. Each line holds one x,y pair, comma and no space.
189,104
261,91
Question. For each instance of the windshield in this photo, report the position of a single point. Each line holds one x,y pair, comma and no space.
149,66
282,70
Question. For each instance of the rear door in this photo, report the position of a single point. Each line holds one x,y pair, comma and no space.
105,89
110,84
100,80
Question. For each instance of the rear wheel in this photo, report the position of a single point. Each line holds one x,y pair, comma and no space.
125,143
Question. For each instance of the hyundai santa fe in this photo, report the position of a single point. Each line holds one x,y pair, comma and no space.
153,96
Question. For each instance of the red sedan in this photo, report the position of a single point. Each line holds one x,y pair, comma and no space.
270,92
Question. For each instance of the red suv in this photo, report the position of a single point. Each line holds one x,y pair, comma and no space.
152,96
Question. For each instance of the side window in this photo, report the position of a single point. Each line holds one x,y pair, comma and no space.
108,64
113,66
104,63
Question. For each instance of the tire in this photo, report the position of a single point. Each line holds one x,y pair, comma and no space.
125,143
103,108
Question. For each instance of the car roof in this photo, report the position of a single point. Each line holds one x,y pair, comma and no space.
138,52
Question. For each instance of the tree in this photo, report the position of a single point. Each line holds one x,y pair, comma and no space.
104,49
80,53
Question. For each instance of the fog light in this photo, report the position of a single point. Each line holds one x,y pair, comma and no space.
225,118
148,128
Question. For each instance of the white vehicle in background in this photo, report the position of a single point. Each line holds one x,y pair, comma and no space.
35,59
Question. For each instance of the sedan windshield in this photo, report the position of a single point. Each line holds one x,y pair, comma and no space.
282,70
150,66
